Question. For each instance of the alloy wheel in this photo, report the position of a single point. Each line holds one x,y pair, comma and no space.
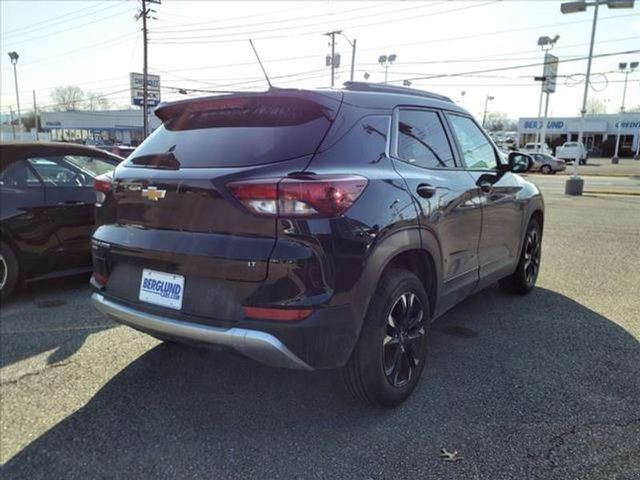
403,343
532,256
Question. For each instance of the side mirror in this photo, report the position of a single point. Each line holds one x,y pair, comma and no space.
520,162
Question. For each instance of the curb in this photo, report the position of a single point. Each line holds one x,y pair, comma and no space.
633,193
589,174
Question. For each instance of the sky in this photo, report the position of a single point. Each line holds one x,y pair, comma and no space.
481,48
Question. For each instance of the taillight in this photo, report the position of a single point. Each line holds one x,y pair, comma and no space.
317,196
102,185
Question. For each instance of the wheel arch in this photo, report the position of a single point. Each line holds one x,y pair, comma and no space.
416,250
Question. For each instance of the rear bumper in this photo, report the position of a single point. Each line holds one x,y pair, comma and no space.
324,340
258,345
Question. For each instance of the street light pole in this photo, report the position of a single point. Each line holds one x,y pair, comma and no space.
575,184
623,69
486,105
14,61
545,43
386,61
353,53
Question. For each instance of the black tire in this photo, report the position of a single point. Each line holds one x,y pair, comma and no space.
524,278
388,359
9,273
546,169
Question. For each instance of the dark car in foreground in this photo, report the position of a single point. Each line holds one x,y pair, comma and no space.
314,228
46,209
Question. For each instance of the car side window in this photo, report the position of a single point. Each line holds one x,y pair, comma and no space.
18,175
477,151
422,140
56,173
92,165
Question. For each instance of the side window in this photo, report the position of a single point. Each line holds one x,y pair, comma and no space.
19,176
422,140
92,165
477,151
56,173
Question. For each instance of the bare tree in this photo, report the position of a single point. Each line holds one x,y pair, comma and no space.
596,106
66,99
496,122
96,101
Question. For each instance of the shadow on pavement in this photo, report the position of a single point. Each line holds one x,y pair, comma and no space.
520,386
48,315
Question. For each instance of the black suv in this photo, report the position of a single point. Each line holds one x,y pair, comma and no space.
314,228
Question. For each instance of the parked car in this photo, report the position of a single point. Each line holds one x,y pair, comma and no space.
547,164
46,212
569,151
537,147
315,228
121,150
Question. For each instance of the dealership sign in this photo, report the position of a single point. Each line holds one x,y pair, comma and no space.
550,73
537,124
137,89
627,124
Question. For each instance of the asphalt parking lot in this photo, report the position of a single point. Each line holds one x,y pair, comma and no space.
541,386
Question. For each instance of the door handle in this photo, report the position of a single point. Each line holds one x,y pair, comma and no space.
72,202
486,187
426,191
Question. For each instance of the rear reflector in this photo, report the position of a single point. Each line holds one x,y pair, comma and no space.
102,185
279,314
310,196
100,279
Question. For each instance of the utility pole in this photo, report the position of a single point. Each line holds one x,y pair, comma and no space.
35,115
144,14
333,54
145,99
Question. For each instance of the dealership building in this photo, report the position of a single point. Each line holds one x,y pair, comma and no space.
600,132
106,126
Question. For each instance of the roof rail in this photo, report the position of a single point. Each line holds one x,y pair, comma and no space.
384,88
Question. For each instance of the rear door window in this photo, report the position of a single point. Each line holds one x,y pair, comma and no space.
238,132
422,140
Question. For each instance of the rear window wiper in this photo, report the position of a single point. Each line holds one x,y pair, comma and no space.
165,161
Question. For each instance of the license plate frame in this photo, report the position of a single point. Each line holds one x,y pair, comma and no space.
161,288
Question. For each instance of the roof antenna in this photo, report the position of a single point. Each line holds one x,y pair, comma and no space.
261,66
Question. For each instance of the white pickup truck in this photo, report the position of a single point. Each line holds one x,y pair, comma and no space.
571,151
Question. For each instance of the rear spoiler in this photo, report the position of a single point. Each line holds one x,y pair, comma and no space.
166,111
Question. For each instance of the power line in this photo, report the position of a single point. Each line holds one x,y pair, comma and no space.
75,27
315,18
212,38
52,22
501,69
53,58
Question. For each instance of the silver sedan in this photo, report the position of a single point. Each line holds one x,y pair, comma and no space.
547,164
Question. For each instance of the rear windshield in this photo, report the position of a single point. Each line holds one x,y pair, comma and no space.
243,132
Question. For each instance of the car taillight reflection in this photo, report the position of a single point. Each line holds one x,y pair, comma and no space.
102,185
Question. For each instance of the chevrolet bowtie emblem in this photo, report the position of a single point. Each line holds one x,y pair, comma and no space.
152,193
